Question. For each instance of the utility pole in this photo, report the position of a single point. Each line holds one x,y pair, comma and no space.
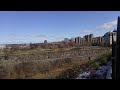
117,61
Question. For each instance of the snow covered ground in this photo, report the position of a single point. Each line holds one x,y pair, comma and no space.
103,72
109,71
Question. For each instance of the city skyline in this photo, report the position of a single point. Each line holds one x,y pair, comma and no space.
37,26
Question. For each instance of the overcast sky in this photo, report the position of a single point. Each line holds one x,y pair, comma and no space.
36,26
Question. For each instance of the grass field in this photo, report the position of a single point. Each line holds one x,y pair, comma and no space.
38,50
29,66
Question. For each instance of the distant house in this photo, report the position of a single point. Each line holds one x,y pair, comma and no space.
66,40
2,46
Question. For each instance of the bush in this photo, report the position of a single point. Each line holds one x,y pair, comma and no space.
104,58
94,65
70,73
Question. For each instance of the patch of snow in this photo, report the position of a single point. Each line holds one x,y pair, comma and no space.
102,72
104,68
109,73
83,75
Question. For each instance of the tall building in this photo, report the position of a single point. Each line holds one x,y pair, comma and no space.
72,39
89,40
108,37
45,41
77,40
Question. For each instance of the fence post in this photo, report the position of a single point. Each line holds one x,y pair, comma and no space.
113,59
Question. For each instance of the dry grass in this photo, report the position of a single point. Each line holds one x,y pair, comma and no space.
35,69
38,50
53,73
32,66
